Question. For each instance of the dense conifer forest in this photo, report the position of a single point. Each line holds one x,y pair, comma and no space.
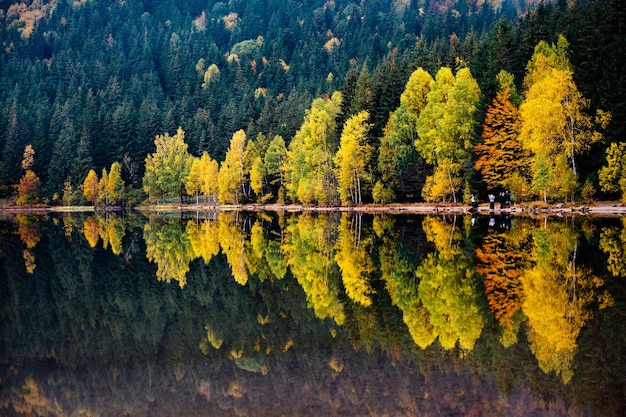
95,94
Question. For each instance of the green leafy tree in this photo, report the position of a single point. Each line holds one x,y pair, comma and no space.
273,160
352,159
446,129
309,174
257,177
115,184
103,189
167,169
613,175
400,167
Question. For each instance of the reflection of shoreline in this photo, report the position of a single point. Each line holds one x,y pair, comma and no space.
602,209
596,209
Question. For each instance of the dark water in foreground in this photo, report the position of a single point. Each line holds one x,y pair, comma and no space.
264,314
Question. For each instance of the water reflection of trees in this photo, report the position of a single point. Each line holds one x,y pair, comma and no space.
504,299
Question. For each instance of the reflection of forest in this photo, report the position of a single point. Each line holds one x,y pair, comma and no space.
287,313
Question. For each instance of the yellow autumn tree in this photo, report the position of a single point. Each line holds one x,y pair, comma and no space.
555,125
90,186
353,158
28,187
230,177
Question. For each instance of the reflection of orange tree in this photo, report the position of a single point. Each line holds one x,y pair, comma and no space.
91,230
447,287
169,247
309,248
353,259
502,259
28,230
557,297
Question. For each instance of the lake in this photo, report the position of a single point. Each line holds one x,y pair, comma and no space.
312,314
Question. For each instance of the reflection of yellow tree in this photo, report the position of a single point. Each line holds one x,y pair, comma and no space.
169,247
232,241
613,243
109,228
447,287
116,232
204,239
28,230
31,401
502,259
309,247
557,294
91,231
398,273
275,258
353,260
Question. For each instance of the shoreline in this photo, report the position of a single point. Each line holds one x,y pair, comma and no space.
606,208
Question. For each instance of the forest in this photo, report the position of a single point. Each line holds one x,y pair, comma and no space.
116,103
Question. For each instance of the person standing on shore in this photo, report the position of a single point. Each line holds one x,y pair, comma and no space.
492,201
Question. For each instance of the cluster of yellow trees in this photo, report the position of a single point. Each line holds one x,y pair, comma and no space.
530,145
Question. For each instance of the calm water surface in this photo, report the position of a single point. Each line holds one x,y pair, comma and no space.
265,314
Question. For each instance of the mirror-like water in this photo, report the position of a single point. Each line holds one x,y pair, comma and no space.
267,314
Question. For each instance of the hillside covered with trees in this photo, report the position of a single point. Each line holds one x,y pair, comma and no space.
334,102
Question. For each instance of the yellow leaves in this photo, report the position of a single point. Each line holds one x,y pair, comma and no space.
231,20
27,189
332,44
90,186
230,177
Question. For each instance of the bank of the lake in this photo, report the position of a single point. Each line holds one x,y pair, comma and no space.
602,208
